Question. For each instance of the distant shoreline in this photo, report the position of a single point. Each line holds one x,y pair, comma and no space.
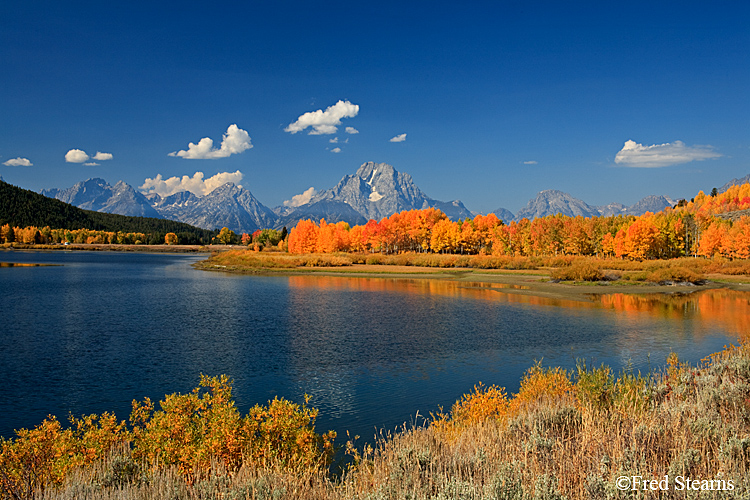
521,282
104,247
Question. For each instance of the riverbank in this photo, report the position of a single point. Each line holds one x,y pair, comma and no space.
528,280
581,434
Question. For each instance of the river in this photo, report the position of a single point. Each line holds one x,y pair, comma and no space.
100,329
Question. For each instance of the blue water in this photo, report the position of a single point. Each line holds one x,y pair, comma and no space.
106,328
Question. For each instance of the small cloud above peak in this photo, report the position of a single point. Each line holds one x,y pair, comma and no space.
234,141
18,162
301,199
398,138
102,156
336,150
324,122
634,154
530,162
195,184
76,156
351,130
80,156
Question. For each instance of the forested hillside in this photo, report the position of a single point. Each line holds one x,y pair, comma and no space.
24,208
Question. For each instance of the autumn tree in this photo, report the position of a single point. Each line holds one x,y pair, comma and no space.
640,238
170,239
7,234
710,242
227,236
303,238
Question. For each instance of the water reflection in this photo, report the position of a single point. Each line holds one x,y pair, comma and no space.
375,346
706,310
104,329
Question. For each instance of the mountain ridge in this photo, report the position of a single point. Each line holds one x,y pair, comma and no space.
374,191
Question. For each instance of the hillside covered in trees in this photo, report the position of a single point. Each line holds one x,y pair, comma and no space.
23,208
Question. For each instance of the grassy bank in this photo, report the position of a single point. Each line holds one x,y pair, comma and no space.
564,435
590,268
561,277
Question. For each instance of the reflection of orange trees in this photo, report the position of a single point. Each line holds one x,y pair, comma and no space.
475,290
712,307
728,308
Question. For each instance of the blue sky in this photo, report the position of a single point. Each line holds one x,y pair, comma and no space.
498,100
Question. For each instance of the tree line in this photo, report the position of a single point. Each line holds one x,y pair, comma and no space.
689,228
21,208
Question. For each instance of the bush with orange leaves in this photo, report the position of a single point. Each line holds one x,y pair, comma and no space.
44,455
483,404
539,386
192,430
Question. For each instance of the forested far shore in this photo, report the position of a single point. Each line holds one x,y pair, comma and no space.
21,208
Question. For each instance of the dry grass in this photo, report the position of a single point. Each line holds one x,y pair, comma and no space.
275,260
565,435
580,271
565,267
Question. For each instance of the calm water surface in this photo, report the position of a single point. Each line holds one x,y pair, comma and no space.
106,328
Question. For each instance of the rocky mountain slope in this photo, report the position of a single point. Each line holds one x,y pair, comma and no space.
378,190
97,195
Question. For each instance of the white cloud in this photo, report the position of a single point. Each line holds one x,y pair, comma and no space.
351,130
399,138
18,162
76,156
324,122
195,184
336,150
334,140
90,164
234,141
530,162
301,199
102,156
662,155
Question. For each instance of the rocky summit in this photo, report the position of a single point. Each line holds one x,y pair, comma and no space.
378,190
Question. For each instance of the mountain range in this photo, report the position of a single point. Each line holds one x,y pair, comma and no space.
374,191
552,201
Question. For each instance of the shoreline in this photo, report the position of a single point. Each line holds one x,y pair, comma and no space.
534,282
108,247
520,282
